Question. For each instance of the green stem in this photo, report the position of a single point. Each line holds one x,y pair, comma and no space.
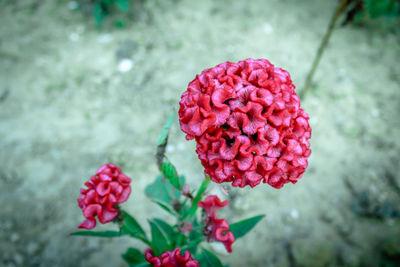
322,47
197,198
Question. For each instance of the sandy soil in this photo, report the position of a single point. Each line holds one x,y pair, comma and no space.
66,109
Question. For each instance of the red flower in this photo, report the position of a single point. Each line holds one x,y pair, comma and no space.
171,259
109,186
216,229
248,124
212,204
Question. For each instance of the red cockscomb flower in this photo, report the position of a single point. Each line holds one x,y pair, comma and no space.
171,259
109,186
216,229
248,124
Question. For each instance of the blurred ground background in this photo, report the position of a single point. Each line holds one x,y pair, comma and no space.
66,108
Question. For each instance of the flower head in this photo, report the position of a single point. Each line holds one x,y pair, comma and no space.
248,124
108,187
171,259
216,229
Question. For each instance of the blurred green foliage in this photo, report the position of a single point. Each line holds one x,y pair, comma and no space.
360,11
385,8
100,9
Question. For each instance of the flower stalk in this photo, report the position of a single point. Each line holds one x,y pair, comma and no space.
322,47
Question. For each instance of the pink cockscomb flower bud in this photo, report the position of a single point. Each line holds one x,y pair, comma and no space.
216,229
185,227
171,259
212,204
248,124
186,191
108,187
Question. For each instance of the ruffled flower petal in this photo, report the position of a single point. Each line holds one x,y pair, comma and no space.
92,210
212,204
216,229
125,194
88,224
107,216
172,258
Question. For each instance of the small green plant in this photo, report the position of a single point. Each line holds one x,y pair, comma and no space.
100,9
176,243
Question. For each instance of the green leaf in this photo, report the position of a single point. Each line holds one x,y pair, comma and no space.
132,227
107,234
165,207
135,257
175,238
98,14
197,198
182,180
120,23
209,259
160,189
179,239
196,233
123,4
241,228
143,264
167,229
176,192
107,2
379,8
192,245
184,211
170,173
159,242
163,137
358,18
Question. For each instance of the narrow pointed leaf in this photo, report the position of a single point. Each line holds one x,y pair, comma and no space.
159,242
132,226
163,137
175,238
241,228
165,207
107,234
170,173
135,257
165,227
162,140
209,259
192,245
184,208
197,198
179,239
